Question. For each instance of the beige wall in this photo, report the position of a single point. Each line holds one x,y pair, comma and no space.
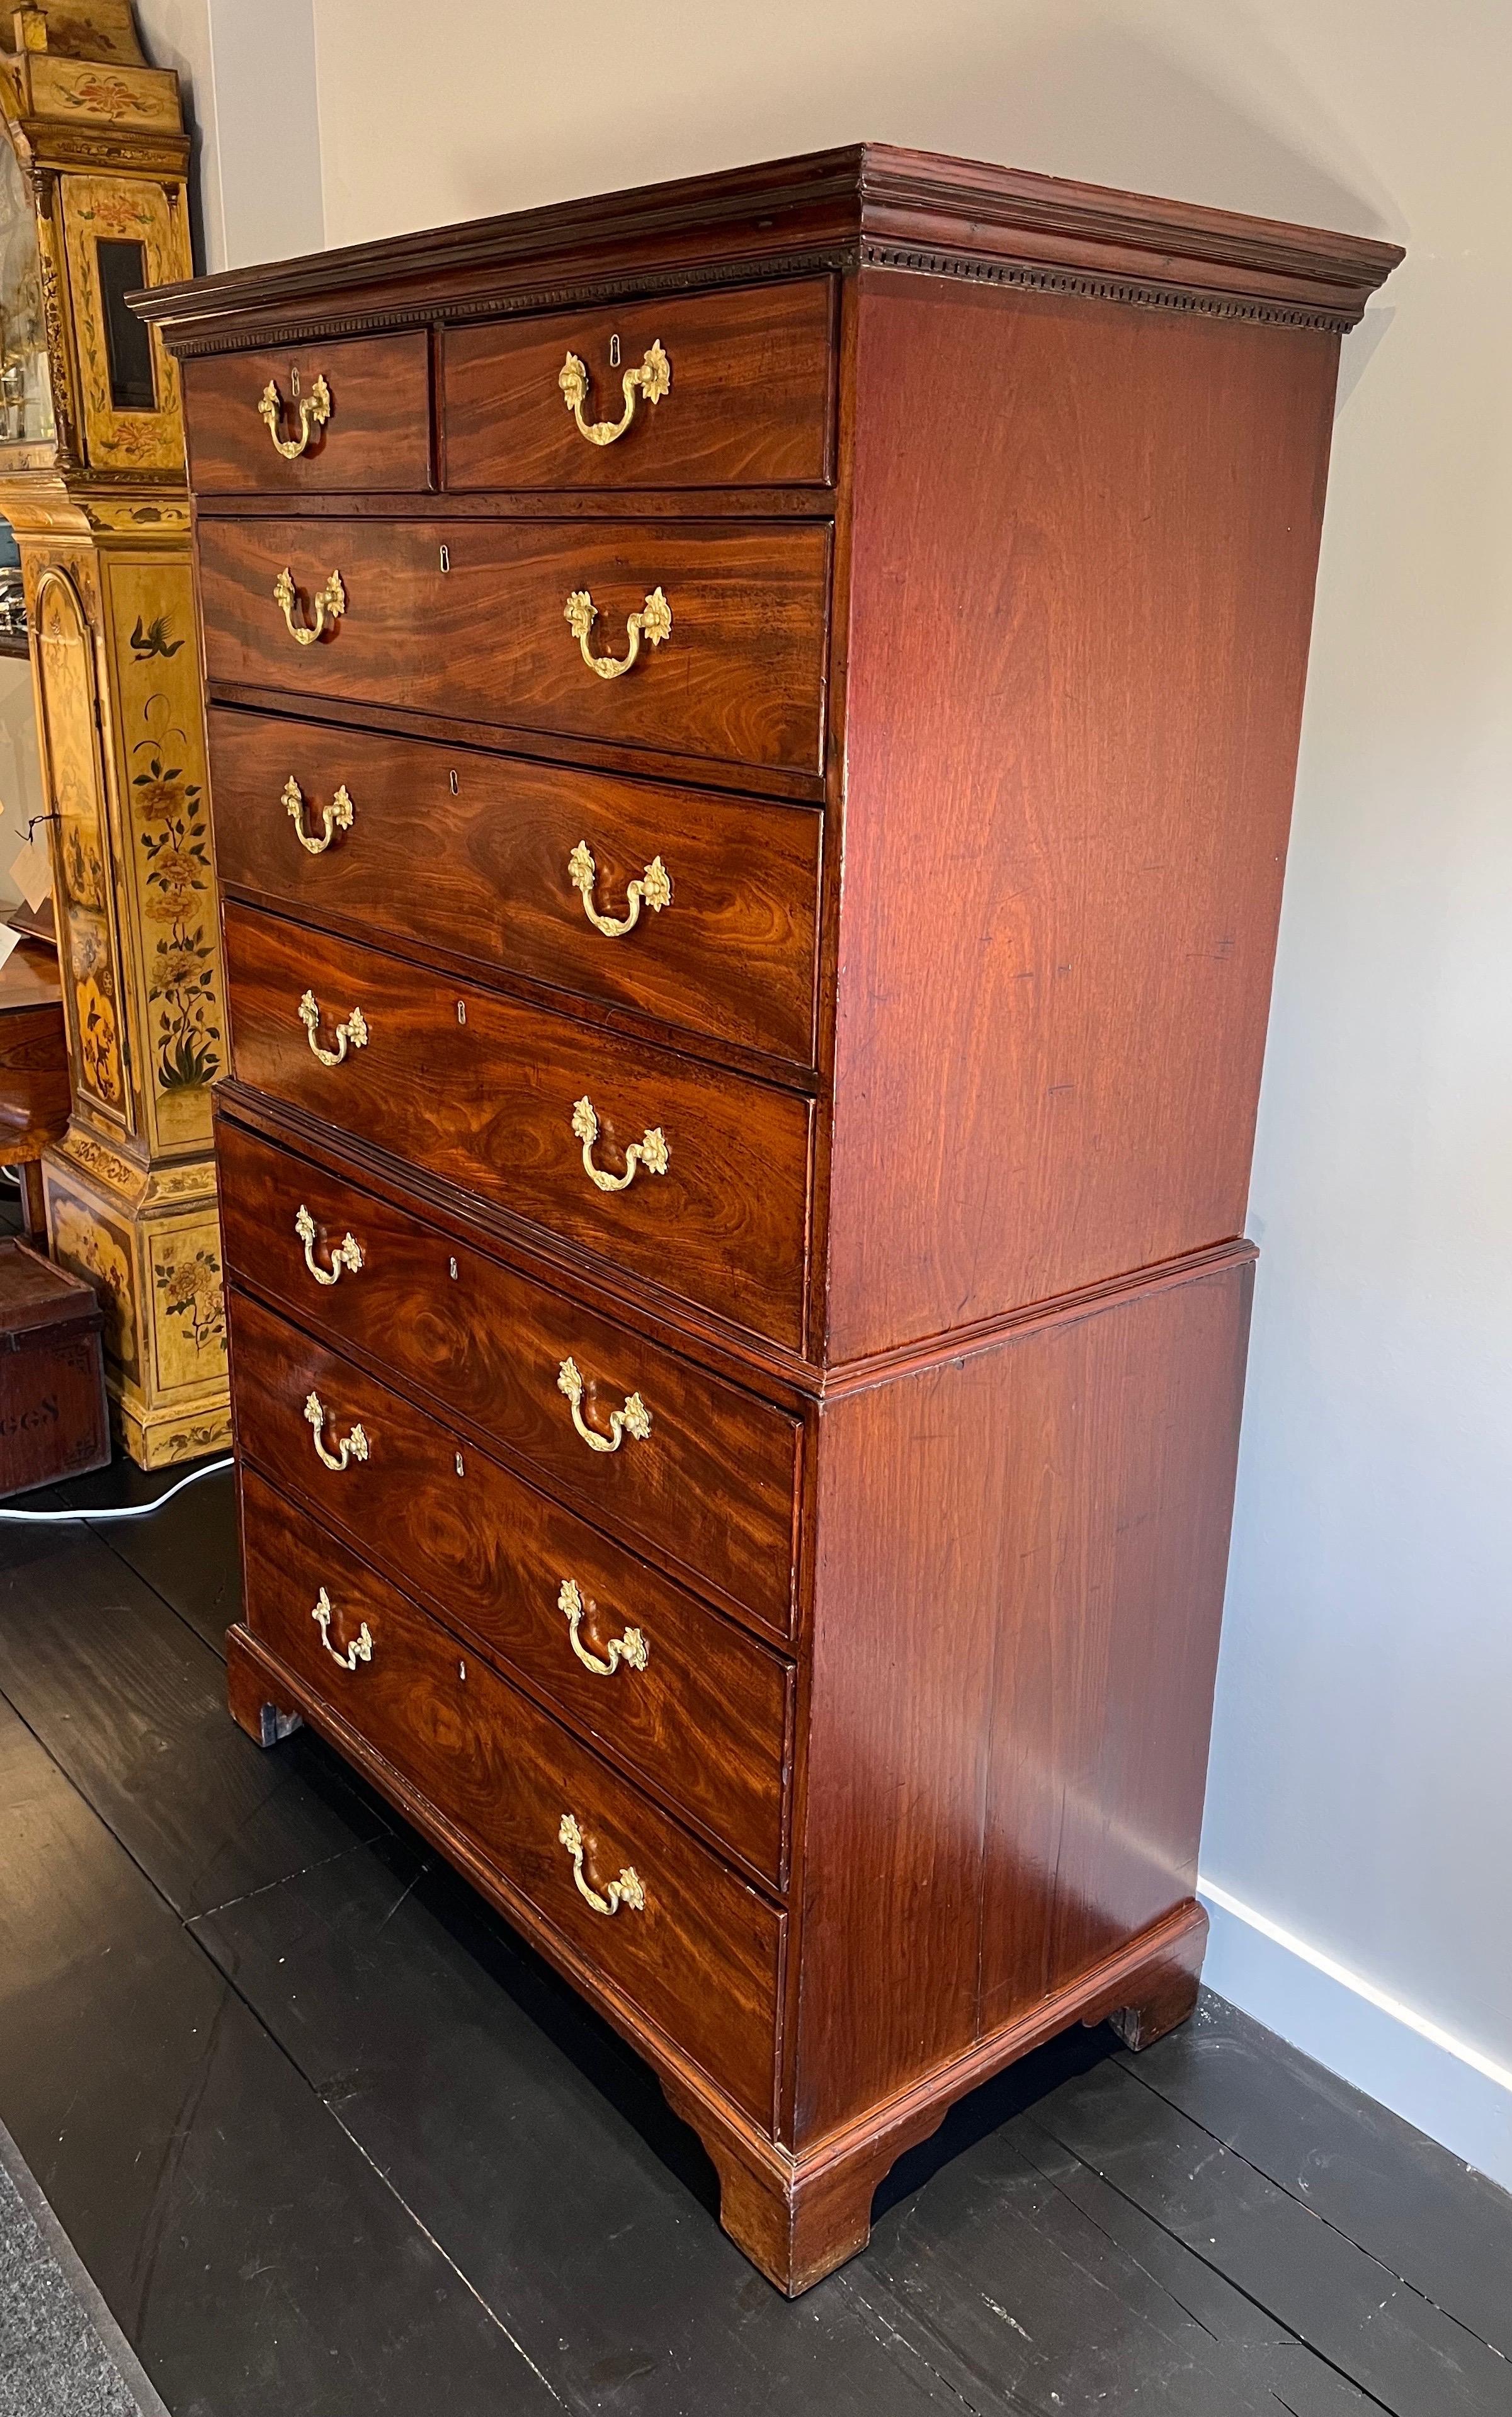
1361,1794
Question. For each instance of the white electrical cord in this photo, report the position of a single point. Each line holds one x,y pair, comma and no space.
136,1510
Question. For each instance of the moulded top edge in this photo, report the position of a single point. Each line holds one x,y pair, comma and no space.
771,209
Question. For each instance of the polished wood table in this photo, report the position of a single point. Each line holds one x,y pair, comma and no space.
33,1070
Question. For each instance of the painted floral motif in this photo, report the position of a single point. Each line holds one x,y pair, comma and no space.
191,1290
84,1241
181,971
111,96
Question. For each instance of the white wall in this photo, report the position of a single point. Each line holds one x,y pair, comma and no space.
1361,1789
249,82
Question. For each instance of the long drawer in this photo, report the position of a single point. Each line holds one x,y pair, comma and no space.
478,619
663,1919
509,864
690,1702
710,1489
709,1169
691,390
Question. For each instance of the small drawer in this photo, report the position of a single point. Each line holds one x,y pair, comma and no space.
689,1701
702,1176
534,870
706,390
710,1490
662,1919
718,630
347,417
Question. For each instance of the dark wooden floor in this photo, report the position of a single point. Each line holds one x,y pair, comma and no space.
331,2140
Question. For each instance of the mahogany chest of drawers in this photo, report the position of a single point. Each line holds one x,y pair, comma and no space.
753,726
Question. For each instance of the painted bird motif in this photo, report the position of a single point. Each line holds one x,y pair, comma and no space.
145,643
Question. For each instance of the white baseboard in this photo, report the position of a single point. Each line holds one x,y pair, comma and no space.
1453,2091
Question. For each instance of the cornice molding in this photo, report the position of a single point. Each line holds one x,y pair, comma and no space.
906,210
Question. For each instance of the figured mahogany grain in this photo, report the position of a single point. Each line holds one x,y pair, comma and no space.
482,1090
749,402
1064,826
1018,1589
481,868
705,1720
378,434
741,677
701,1955
712,1491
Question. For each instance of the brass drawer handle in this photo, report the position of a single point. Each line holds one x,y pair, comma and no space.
354,1030
314,411
351,1447
360,1652
626,1889
653,890
652,379
347,1253
634,1420
328,605
650,1151
632,1647
652,622
334,817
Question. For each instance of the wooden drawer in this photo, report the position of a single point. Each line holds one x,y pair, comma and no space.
740,679
711,1492
701,1955
375,434
690,1702
743,383
472,853
490,1093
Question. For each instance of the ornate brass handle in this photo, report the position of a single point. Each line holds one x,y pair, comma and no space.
626,1889
650,1151
634,1420
653,623
632,1647
329,605
351,1447
355,1030
653,890
334,817
347,1253
314,410
360,1652
652,379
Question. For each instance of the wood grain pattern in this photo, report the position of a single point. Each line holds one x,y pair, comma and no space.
378,434
1055,976
740,679
749,402
703,1954
52,1414
481,869
705,1720
34,1059
486,1097
712,1492
1017,1590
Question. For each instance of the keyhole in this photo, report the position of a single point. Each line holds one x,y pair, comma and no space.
613,352
462,1672
445,558
461,1470
454,782
452,1265
293,381
462,1011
